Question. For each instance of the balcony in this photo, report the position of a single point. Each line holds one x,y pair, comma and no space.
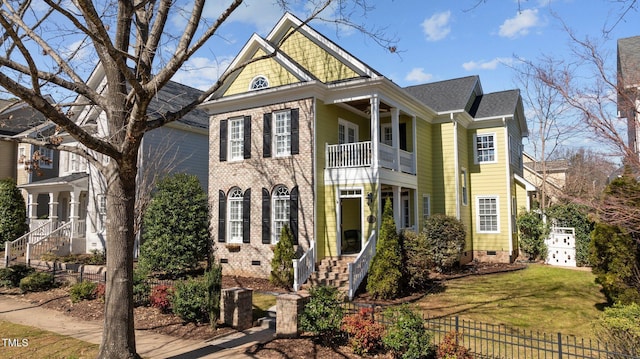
359,154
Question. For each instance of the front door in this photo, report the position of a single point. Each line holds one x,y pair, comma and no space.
350,222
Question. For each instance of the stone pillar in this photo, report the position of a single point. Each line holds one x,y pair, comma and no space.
236,308
289,307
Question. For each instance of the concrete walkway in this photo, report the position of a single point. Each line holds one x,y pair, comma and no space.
149,344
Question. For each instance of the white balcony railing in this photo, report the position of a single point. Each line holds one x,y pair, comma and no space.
303,267
358,154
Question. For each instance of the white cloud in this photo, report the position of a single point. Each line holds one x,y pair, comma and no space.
520,24
417,74
259,13
78,50
201,72
487,65
437,26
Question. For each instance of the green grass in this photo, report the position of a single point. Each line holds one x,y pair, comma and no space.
261,303
539,298
42,344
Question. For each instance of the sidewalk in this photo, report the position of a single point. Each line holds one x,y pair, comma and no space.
149,344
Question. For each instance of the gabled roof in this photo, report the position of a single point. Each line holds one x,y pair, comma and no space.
496,104
629,61
448,95
17,117
64,180
174,96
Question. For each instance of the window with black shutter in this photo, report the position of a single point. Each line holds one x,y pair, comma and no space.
266,135
247,137
266,216
246,216
293,213
295,132
222,215
223,140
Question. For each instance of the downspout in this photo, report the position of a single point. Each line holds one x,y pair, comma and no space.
314,182
456,164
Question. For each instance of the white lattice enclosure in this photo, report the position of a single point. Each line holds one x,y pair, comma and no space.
561,246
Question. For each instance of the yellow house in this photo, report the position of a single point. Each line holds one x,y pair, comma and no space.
313,138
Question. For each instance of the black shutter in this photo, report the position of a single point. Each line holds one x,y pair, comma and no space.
403,136
247,137
266,216
295,131
223,140
266,135
293,213
222,216
246,216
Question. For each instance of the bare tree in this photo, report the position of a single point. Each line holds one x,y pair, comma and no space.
140,49
588,173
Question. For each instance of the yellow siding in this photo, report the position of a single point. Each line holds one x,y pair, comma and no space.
270,68
463,163
316,60
490,179
444,200
424,153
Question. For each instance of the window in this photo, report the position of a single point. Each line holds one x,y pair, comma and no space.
426,206
259,82
45,157
347,132
235,215
485,148
386,135
281,211
76,163
236,139
406,218
102,212
463,184
22,157
282,133
488,214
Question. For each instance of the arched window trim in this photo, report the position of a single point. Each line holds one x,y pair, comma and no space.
280,204
234,215
259,82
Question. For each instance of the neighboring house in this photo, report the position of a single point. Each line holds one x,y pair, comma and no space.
315,139
556,176
628,85
77,195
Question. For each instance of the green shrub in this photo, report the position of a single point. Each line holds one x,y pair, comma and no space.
407,337
417,259
323,313
282,262
190,300
82,291
13,211
450,348
213,279
384,279
446,236
141,287
364,333
532,232
616,263
619,328
37,282
11,276
175,227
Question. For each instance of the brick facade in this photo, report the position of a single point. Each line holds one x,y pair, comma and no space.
254,259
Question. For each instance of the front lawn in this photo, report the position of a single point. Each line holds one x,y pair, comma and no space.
539,298
20,341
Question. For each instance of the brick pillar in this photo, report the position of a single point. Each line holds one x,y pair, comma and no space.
289,307
236,308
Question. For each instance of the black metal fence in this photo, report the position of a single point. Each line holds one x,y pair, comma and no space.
498,341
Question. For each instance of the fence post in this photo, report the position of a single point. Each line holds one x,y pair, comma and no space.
104,277
7,249
559,346
81,274
457,324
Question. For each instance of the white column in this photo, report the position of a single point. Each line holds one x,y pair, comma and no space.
375,132
53,207
397,206
33,207
415,144
73,214
395,136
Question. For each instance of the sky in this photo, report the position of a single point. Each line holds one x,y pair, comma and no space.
438,39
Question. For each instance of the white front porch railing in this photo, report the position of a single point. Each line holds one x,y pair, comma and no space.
303,267
80,227
358,269
18,247
56,239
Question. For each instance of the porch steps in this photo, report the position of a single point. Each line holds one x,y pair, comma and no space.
332,271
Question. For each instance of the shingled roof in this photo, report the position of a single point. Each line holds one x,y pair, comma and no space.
17,117
447,95
629,61
495,104
174,96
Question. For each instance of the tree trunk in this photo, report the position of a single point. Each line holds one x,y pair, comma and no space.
118,339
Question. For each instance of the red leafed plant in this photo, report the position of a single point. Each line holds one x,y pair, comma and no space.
99,292
450,349
364,333
161,298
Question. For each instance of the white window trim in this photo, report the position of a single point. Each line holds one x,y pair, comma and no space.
102,212
275,235
274,135
230,198
22,152
239,157
426,214
347,125
384,126
49,154
497,198
475,147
